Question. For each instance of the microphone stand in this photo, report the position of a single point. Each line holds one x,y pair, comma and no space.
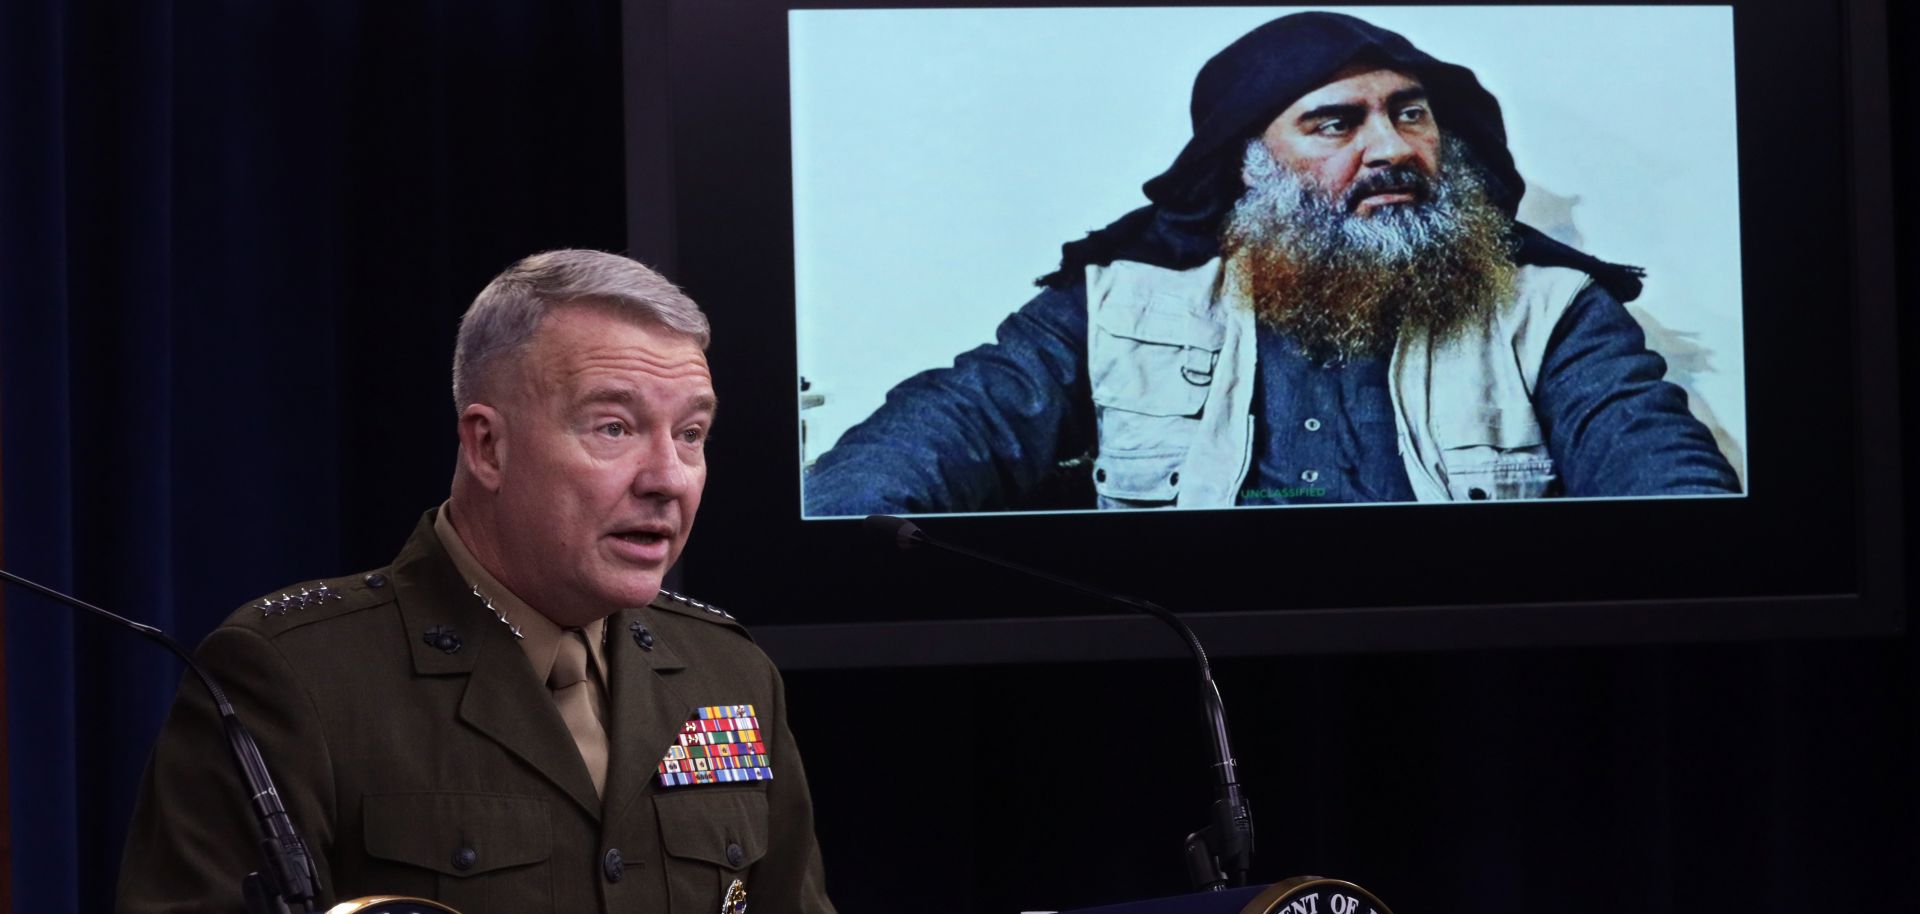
1219,854
289,884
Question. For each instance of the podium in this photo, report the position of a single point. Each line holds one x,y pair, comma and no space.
1299,895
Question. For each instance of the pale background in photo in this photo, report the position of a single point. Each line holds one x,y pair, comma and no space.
941,157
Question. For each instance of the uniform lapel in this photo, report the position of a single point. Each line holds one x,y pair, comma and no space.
505,702
502,700
646,706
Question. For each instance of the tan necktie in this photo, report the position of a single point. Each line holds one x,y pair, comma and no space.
578,699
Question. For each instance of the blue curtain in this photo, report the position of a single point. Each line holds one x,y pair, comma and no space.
234,242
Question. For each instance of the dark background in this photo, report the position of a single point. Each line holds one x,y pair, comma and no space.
234,243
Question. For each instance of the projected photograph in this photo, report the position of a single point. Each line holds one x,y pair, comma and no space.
1053,260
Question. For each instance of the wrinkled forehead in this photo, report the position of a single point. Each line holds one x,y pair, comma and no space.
576,339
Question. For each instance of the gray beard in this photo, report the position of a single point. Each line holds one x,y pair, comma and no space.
1344,285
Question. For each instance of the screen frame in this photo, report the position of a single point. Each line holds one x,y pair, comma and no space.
1874,607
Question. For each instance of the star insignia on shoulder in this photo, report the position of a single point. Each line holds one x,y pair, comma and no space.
314,596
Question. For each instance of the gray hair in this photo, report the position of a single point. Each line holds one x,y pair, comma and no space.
506,313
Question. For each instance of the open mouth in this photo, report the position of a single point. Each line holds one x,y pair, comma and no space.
644,546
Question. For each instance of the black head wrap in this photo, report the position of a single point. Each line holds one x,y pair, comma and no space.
1244,87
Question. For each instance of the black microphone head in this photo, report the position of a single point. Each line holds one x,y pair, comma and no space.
899,530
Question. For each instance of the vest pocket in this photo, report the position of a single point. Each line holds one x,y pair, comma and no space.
1137,479
1493,474
1153,363
486,848
1150,363
1496,455
711,836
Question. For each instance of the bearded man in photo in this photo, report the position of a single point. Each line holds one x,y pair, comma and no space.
1327,300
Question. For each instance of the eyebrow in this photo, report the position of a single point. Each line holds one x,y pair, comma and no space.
1406,97
1355,110
1332,112
608,395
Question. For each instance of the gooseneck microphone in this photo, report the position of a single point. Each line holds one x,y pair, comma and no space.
1217,855
289,884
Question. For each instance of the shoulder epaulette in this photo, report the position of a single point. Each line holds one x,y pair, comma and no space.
316,600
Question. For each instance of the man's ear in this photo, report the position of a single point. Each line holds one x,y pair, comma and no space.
483,445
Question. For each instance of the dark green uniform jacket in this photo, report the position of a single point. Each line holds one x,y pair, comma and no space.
419,755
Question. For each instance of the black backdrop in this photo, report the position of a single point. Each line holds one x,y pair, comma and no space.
234,241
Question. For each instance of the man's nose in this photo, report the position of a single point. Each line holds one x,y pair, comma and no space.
1382,146
663,468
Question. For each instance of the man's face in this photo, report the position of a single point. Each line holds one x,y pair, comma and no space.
603,462
1367,139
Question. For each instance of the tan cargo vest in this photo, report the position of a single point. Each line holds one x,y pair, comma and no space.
1171,353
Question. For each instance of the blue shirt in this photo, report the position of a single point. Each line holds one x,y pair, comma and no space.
1323,430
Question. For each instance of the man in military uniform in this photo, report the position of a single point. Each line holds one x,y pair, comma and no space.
513,716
